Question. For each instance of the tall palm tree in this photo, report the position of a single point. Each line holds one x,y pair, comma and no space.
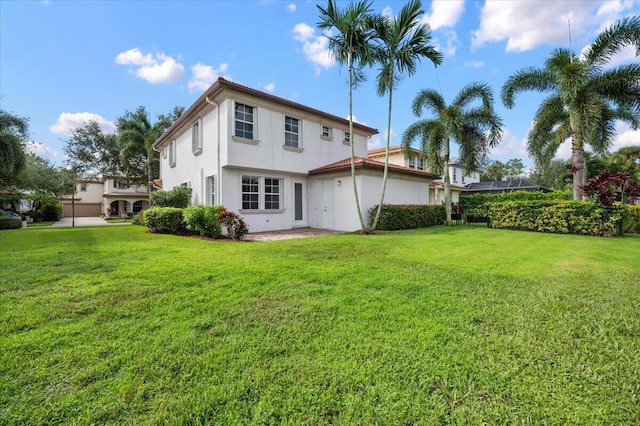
403,42
136,134
585,99
351,46
14,131
474,128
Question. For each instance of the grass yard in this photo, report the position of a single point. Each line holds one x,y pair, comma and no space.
114,325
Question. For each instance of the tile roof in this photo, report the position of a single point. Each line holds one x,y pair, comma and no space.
496,186
440,184
365,163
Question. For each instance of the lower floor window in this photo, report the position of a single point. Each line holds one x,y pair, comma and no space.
261,193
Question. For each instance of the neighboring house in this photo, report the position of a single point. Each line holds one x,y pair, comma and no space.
500,186
458,176
278,163
111,196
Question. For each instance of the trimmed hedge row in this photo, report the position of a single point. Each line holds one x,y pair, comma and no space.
409,216
631,221
164,220
10,222
478,199
560,217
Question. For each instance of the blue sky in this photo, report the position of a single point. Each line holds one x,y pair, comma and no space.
65,62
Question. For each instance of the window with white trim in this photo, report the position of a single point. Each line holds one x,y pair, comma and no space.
291,132
211,190
196,136
261,193
327,132
455,175
83,186
347,137
172,153
120,184
420,163
412,162
244,121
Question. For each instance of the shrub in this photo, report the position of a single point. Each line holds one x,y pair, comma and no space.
479,199
138,218
203,219
179,197
394,217
51,211
561,217
164,220
236,226
10,222
1,212
631,220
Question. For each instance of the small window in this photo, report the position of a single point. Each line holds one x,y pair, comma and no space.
347,138
412,162
172,153
244,118
420,163
327,132
196,137
164,151
291,132
211,190
83,186
462,177
121,184
455,175
250,192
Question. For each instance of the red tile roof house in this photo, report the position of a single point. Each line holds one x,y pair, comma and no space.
278,163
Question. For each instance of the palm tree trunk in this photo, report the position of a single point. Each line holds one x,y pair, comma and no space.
579,168
352,143
447,184
386,161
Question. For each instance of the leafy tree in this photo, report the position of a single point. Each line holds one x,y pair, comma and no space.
41,176
556,174
14,130
351,45
497,170
514,168
493,171
93,153
626,159
403,42
136,134
475,129
585,99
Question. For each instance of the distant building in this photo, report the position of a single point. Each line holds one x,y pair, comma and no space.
112,196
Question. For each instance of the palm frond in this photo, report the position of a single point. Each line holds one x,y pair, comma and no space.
526,79
428,99
621,33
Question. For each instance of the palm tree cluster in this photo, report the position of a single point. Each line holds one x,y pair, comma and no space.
586,98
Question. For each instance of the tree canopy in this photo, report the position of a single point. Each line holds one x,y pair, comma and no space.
14,131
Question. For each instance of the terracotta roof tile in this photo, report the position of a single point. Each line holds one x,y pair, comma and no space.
365,163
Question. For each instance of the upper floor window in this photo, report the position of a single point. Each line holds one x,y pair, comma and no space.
455,174
121,184
327,132
462,177
412,162
420,163
291,132
196,137
83,186
172,153
245,120
347,137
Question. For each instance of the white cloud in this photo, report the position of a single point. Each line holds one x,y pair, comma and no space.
510,147
387,11
41,150
527,24
291,7
315,48
450,45
355,120
443,14
474,64
67,122
612,10
625,137
155,69
270,87
374,143
205,75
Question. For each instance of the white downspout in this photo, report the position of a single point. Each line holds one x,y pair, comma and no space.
218,189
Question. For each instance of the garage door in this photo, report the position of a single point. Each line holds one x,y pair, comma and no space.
82,210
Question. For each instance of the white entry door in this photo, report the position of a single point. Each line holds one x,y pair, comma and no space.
328,215
300,203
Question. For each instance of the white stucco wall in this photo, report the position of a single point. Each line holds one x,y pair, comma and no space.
93,194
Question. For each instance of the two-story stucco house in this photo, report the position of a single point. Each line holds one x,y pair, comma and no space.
112,196
278,163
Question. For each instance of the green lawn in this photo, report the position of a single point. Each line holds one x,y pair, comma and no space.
114,325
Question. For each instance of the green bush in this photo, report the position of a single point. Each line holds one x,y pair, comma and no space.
236,226
203,219
164,220
10,222
179,197
394,217
561,217
51,211
138,218
479,199
631,220
1,212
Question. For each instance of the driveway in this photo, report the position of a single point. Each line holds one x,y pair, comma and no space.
66,222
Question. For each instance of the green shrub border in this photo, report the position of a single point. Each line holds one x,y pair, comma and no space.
10,222
408,216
